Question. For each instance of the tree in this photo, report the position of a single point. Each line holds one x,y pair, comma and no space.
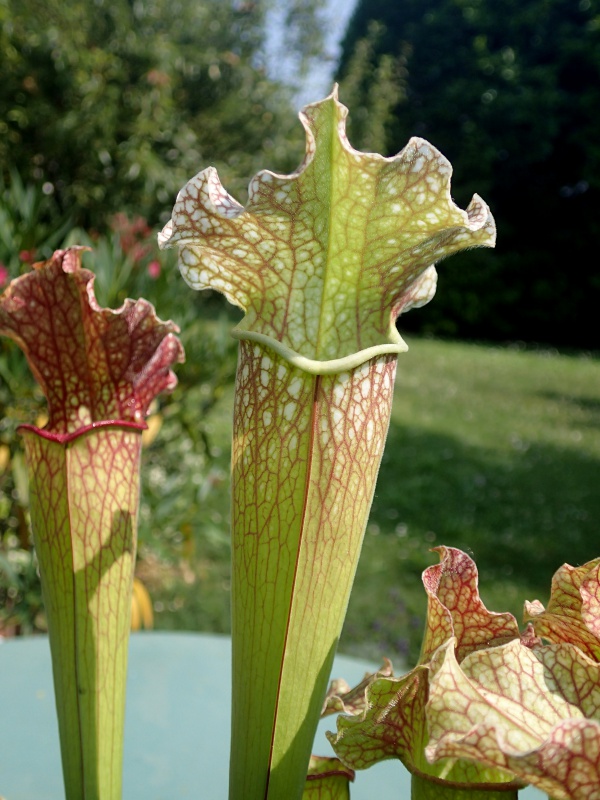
509,90
113,105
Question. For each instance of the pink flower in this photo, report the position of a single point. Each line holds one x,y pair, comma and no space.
27,256
3,275
154,269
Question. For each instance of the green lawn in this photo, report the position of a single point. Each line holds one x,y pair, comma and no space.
493,450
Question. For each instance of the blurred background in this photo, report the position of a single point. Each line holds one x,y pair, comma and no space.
107,108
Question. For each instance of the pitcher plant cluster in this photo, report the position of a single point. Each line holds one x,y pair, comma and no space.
322,262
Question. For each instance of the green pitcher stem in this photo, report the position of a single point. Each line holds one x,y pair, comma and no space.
84,505
423,788
306,451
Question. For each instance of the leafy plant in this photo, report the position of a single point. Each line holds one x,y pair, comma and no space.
31,225
111,105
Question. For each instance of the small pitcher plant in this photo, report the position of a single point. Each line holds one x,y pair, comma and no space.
322,261
99,370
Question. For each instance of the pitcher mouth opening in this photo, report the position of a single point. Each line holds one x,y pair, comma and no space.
315,367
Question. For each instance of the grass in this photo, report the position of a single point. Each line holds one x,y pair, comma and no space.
493,450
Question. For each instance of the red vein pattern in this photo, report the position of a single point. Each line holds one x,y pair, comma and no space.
93,364
84,505
99,370
532,712
456,609
342,699
321,260
327,779
572,614
311,448
393,724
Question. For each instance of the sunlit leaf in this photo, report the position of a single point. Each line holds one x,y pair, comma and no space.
341,698
454,608
532,712
93,364
572,614
394,723
323,260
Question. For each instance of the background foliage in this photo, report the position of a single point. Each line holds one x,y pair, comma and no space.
111,106
509,91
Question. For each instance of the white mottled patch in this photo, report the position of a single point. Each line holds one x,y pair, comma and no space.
340,389
289,411
433,183
261,392
295,387
337,416
267,418
84,416
188,256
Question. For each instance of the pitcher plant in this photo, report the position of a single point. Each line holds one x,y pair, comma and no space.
322,261
99,369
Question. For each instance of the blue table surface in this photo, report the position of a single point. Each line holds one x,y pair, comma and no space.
176,728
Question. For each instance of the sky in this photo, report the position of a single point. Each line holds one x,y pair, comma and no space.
319,81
